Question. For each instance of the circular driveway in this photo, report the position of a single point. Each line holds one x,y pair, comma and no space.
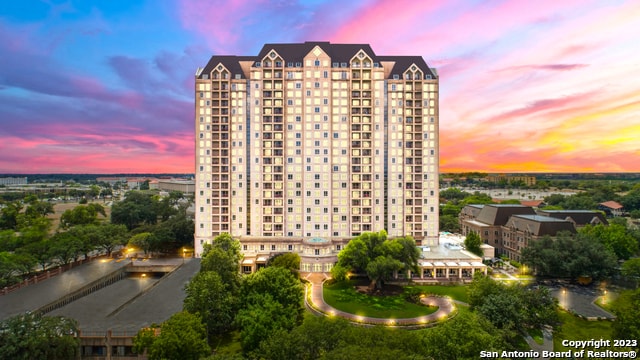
316,302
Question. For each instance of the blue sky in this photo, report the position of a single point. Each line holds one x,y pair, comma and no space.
107,86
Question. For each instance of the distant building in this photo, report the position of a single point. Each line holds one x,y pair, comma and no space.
183,186
511,228
13,181
497,178
521,230
533,203
612,208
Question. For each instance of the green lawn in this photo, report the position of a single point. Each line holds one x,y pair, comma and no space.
574,328
456,292
605,302
343,296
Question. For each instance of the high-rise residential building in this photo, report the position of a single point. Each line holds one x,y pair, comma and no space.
315,143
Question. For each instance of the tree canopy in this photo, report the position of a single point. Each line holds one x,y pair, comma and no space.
473,243
183,336
570,256
33,336
378,256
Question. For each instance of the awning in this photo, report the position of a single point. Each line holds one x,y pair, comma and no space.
247,261
262,259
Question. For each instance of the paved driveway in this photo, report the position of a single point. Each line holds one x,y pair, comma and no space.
445,307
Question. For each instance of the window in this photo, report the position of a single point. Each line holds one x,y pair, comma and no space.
290,247
316,85
325,74
298,85
262,247
338,247
316,109
317,126
316,63
244,247
316,251
273,248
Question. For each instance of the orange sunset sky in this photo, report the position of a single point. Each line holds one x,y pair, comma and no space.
525,86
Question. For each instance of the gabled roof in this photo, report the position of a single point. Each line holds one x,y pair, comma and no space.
612,205
339,53
498,214
231,62
532,203
471,210
579,217
540,225
402,63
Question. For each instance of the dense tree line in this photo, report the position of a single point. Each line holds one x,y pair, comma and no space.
27,239
593,252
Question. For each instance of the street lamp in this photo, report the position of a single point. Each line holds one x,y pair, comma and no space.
184,254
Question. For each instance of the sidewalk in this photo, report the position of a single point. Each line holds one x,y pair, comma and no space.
547,343
445,307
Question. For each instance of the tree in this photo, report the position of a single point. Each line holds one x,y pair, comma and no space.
65,247
463,337
289,261
614,237
569,256
136,209
260,317
378,256
271,299
381,269
9,215
449,223
210,298
111,236
144,241
627,310
316,336
81,215
41,251
511,307
631,268
473,242
502,310
33,336
223,257
283,287
37,208
183,336
12,265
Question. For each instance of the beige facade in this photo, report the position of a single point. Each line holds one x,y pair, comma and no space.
296,144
